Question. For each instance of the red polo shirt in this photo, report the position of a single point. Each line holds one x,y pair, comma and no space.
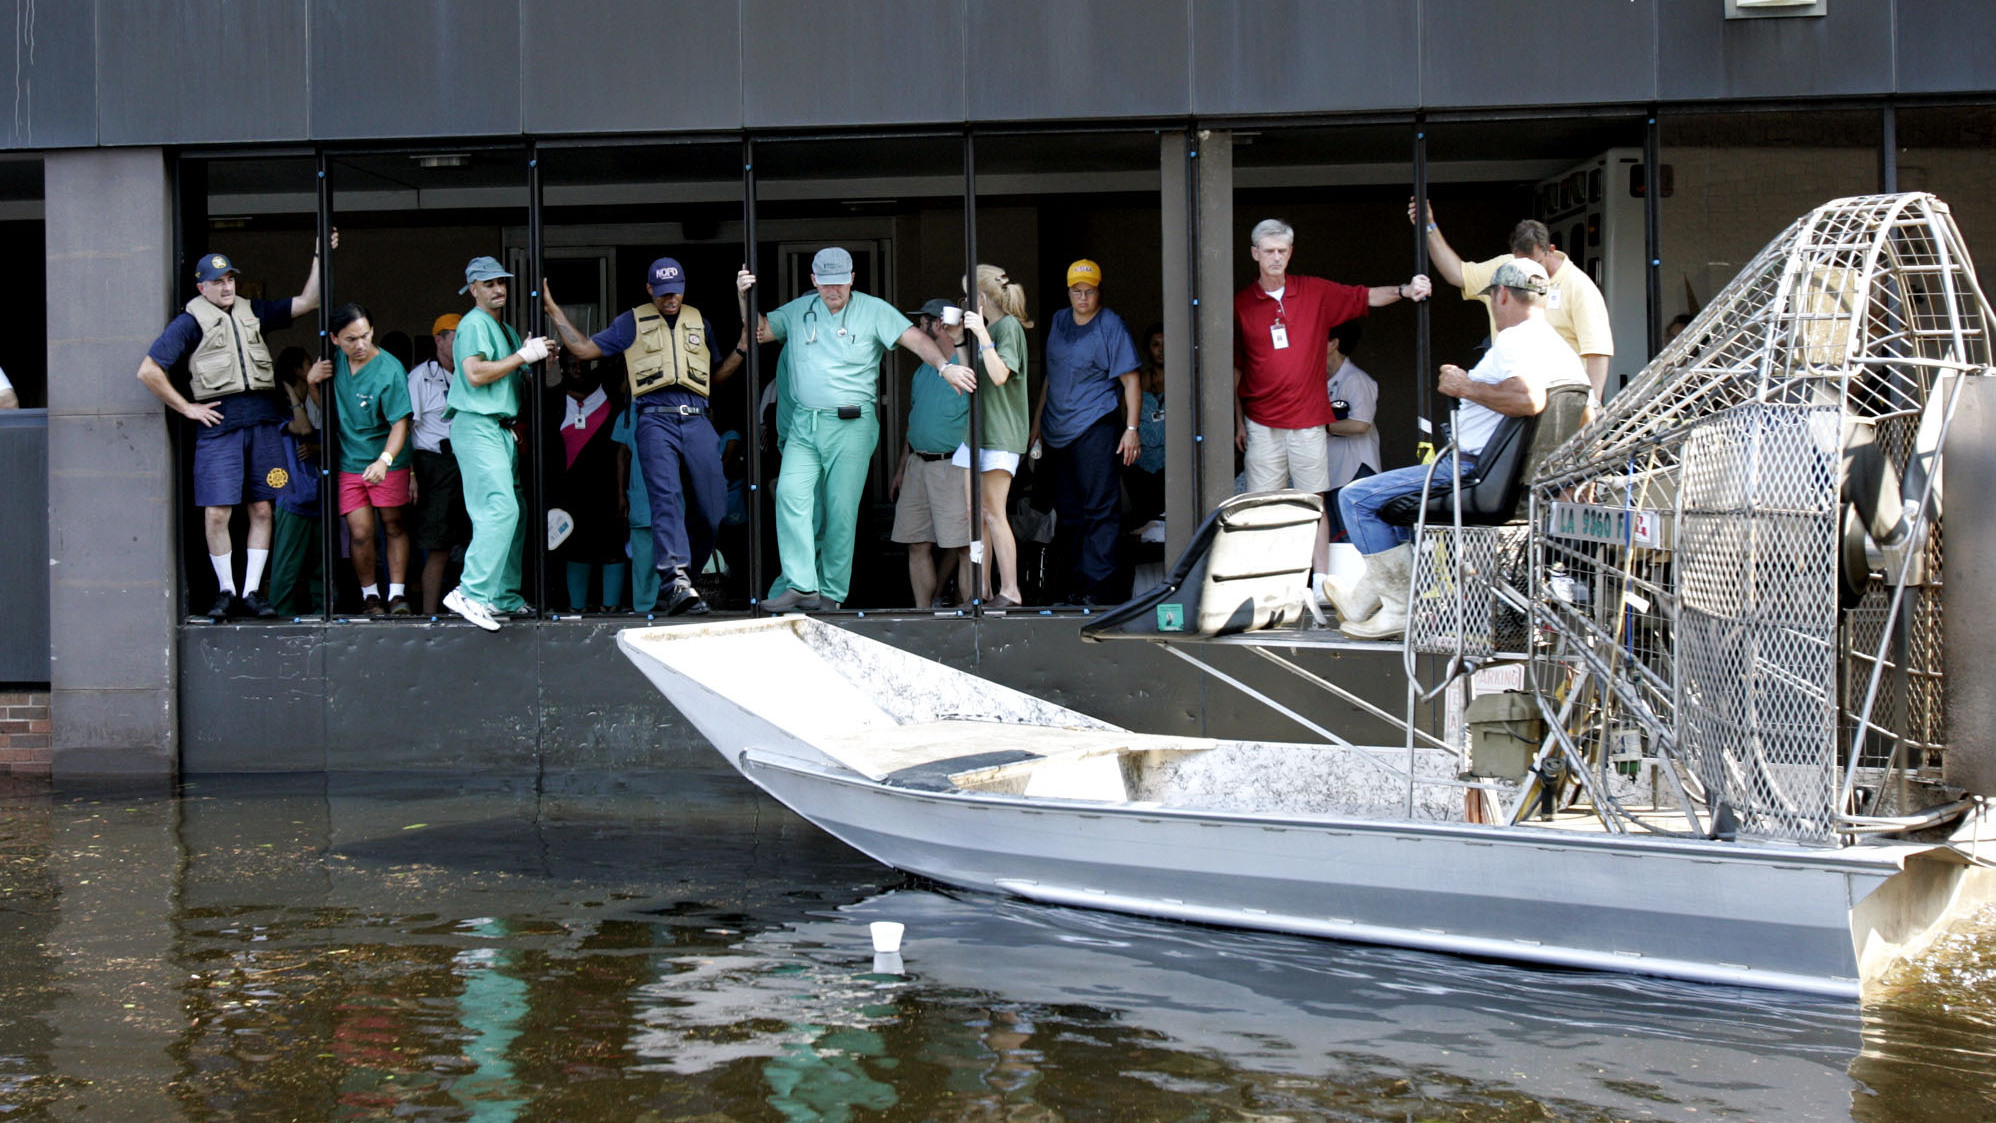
1284,388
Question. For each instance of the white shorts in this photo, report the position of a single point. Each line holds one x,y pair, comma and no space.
988,460
1278,458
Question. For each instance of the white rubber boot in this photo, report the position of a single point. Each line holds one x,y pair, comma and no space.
1355,599
1388,572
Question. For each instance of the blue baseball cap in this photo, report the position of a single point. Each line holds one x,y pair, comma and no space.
214,267
832,266
665,277
482,269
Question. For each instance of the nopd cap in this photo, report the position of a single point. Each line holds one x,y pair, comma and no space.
933,308
665,277
482,269
832,266
1521,273
445,322
213,268
1084,272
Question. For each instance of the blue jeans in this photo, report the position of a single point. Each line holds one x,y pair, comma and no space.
1360,500
680,457
1087,476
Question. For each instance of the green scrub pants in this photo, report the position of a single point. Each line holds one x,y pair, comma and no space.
644,579
822,452
488,460
297,564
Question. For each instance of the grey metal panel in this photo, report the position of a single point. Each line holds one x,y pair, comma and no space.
886,62
252,698
1049,59
1532,52
597,68
434,696
24,548
1931,38
197,71
1968,594
53,74
405,68
1302,56
598,713
1703,55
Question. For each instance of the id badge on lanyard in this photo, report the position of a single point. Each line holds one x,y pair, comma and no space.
1278,332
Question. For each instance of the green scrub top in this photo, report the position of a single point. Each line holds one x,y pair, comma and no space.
371,400
937,415
835,359
481,336
1003,420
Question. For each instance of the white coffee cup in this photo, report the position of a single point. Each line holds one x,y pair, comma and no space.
952,315
887,935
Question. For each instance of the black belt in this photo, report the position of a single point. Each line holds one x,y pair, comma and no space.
932,457
681,410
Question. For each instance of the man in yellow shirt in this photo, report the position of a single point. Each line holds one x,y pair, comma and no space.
1573,306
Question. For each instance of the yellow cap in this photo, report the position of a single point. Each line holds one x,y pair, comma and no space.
1084,272
445,322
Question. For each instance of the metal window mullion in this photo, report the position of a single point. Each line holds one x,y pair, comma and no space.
329,443
979,555
752,416
536,323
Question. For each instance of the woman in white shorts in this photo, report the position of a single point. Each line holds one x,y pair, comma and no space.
999,329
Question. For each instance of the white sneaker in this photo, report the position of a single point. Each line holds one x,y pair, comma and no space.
471,610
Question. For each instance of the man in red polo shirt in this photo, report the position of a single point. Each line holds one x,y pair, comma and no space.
1282,325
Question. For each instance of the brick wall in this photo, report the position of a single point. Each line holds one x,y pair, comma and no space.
24,732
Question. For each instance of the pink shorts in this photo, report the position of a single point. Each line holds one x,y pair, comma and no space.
356,492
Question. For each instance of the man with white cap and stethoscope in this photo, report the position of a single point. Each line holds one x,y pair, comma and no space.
835,338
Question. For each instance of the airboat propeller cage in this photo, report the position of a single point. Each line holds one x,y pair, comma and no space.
1246,568
1756,519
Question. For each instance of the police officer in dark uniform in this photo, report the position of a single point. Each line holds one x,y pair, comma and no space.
240,409
671,372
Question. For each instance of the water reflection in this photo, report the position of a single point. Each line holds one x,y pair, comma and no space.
676,947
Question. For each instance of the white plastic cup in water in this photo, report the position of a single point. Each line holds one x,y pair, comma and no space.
888,963
952,315
887,935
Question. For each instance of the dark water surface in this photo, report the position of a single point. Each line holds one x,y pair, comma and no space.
677,947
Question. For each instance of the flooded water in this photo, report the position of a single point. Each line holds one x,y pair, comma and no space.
677,947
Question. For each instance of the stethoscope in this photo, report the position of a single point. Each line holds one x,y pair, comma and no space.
811,320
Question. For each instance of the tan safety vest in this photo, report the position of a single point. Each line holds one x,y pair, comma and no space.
663,356
231,357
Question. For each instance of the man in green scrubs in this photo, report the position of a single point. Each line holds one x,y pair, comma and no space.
834,338
484,404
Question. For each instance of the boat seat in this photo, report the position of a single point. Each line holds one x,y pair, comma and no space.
1495,489
1247,568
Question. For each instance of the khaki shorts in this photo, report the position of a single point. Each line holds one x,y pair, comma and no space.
1278,458
934,504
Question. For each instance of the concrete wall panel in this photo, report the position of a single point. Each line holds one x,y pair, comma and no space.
53,73
1530,52
1303,56
112,599
253,707
889,62
404,68
1701,55
1931,38
1049,59
599,67
201,71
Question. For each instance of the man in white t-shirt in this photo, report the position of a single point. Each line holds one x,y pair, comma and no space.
8,398
1526,360
1354,439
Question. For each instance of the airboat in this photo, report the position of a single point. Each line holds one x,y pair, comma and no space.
1689,655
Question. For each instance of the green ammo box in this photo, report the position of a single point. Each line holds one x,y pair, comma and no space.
1505,731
